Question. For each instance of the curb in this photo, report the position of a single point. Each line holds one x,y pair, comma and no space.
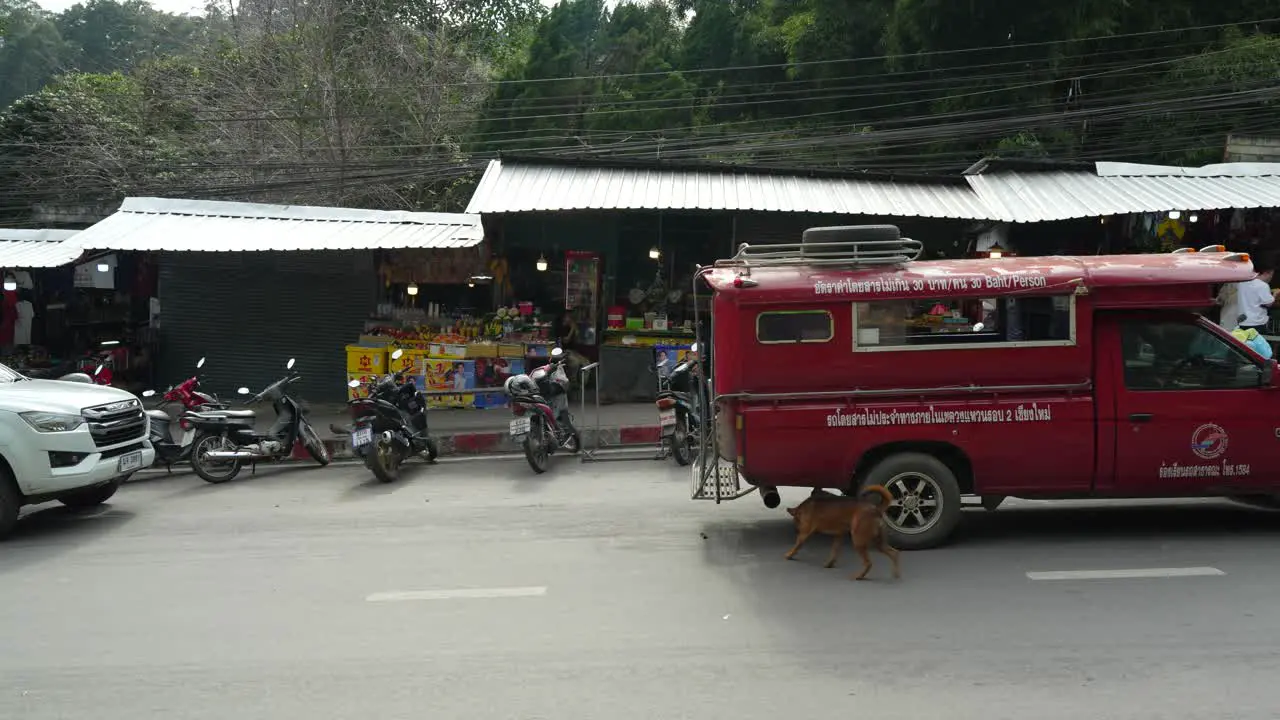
497,442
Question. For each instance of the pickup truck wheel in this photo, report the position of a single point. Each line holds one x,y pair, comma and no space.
10,503
926,499
93,496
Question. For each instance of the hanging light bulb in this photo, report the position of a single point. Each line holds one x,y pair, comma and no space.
412,289
1174,214
542,263
10,283
103,267
654,253
1194,217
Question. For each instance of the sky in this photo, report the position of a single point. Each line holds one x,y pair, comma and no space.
173,6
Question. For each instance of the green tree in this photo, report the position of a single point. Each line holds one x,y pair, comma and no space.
31,49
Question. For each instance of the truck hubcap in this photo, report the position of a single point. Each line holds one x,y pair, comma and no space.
917,503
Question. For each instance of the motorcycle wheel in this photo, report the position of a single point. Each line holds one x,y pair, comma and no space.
315,446
383,460
535,447
433,450
680,449
209,471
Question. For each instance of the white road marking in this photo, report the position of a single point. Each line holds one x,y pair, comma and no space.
1125,574
457,594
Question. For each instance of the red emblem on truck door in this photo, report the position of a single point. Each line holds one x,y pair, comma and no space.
1209,441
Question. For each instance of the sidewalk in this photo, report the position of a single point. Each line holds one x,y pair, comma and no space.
477,432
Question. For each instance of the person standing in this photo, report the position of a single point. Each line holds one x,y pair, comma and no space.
1253,299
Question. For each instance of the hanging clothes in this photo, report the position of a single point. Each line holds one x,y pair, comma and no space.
26,314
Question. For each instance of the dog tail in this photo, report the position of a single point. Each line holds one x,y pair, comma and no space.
884,495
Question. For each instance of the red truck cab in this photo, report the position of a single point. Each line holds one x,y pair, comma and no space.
842,361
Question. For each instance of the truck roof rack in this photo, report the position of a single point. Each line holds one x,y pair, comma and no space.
847,246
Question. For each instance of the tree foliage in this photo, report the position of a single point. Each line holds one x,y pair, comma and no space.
391,103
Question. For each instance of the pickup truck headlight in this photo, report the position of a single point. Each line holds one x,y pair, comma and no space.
52,422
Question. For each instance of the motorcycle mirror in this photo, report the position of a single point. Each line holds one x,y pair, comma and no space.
243,390
556,352
353,384
397,354
148,393
97,371
977,327
289,365
200,363
693,348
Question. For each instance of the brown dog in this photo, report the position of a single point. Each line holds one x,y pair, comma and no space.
861,517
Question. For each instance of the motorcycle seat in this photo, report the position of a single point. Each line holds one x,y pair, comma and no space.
241,414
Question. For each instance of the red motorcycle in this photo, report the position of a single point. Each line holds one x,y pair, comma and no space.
168,450
540,402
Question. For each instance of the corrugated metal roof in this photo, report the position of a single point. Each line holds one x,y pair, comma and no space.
509,187
1063,195
152,224
37,248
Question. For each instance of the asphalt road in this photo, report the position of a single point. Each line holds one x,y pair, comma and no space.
476,590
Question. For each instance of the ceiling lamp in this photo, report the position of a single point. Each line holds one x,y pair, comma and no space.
10,283
412,289
542,263
996,252
1174,214
654,253
103,267
1194,217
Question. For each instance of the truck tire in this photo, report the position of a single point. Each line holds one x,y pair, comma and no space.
919,483
90,497
850,233
10,502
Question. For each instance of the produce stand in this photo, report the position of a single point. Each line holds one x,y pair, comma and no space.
458,363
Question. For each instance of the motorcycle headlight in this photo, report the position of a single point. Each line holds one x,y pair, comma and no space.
51,422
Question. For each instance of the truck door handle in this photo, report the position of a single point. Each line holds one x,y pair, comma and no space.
1141,417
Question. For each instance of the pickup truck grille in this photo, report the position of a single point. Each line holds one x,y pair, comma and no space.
116,422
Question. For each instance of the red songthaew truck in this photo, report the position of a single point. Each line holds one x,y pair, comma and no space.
842,361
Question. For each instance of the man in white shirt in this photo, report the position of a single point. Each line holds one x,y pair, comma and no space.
1252,299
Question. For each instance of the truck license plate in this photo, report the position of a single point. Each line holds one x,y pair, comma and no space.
129,461
361,437
519,426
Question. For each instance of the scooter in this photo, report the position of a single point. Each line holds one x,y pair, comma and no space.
229,440
540,402
391,425
681,397
169,451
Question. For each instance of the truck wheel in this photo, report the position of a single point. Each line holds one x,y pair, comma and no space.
10,502
926,499
92,496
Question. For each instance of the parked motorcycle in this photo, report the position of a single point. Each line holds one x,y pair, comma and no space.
188,394
229,440
540,402
681,397
391,424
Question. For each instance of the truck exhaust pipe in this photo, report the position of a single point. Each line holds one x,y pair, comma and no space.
771,497
230,455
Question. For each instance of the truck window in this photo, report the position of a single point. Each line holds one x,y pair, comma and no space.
1182,355
969,322
794,326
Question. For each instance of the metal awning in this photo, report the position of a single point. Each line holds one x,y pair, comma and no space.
22,249
555,184
1121,188
160,224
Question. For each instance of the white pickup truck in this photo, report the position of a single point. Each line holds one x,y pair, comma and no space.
68,441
